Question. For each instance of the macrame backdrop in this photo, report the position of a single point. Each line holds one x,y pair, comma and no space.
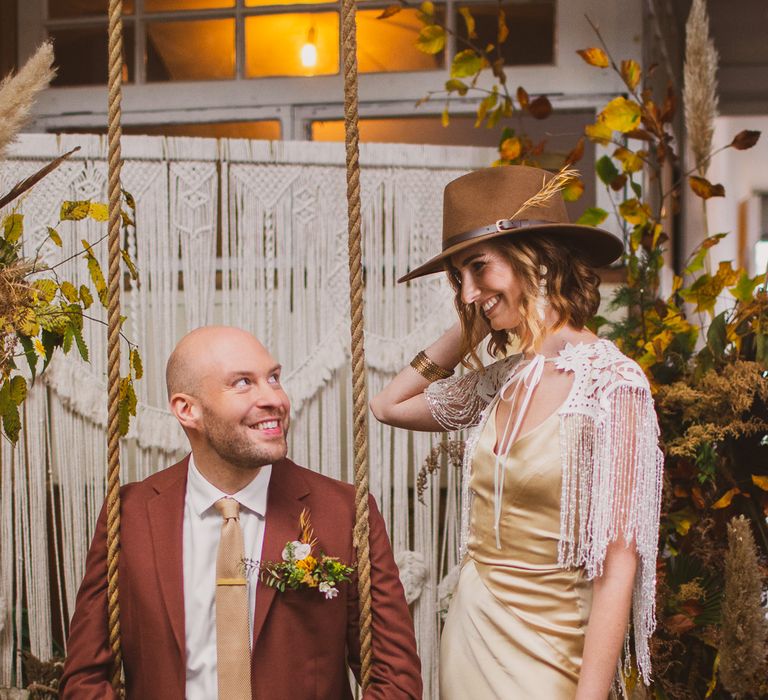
251,234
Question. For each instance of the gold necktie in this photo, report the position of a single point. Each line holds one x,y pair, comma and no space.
233,648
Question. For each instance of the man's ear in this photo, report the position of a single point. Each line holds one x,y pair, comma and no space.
187,411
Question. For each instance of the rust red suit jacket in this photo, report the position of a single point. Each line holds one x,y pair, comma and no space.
302,643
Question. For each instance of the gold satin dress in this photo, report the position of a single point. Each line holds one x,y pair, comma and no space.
517,621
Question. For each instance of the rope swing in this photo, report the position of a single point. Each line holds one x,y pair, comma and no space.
356,303
113,335
359,393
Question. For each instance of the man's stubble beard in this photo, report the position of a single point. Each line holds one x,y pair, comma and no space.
235,449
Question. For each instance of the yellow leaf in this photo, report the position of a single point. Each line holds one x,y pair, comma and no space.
74,211
621,114
39,348
427,8
595,57
598,133
445,119
13,226
630,72
431,39
46,287
510,148
760,481
465,64
53,234
98,211
573,191
631,162
725,500
69,291
634,212
469,20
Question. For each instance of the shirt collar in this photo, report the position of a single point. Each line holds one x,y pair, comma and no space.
203,494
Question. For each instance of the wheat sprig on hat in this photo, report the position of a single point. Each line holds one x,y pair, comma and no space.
549,188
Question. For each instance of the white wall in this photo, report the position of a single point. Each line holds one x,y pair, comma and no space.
743,174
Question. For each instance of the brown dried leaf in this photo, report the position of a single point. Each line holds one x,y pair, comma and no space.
540,108
576,154
745,139
522,98
704,188
389,11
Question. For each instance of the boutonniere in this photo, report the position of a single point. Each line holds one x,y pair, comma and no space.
301,569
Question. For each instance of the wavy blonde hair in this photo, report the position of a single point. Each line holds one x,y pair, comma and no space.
572,293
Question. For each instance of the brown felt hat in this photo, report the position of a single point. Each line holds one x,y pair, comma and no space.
477,207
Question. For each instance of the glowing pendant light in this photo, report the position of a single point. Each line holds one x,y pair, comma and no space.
309,50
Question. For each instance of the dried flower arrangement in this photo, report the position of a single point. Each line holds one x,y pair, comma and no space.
39,311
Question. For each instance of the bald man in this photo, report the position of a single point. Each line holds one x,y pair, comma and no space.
224,388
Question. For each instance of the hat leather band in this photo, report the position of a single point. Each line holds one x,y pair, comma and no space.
500,226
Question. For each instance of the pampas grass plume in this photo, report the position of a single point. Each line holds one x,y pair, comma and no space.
744,627
18,93
700,85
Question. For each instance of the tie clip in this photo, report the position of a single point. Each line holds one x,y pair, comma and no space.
231,582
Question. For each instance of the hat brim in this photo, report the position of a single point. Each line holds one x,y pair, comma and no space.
599,247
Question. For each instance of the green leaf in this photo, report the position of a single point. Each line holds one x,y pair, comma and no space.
697,262
30,354
5,396
431,39
606,170
12,423
69,336
51,341
136,364
74,211
13,227
82,348
716,336
745,287
637,189
466,64
454,85
592,216
18,389
53,234
126,404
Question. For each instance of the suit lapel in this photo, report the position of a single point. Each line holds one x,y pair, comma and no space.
284,506
166,518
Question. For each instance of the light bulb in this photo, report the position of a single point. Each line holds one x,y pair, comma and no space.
309,55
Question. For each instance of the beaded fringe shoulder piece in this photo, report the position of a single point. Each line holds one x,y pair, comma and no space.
611,461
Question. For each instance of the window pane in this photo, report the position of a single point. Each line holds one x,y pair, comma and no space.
385,45
174,50
263,3
531,26
61,9
173,5
292,44
81,55
269,130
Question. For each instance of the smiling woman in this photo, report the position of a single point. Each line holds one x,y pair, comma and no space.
562,474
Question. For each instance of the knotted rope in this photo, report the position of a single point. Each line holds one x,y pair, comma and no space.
359,393
113,335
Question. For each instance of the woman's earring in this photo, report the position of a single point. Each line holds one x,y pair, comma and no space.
542,302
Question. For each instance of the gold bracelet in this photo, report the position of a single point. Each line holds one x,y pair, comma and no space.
431,371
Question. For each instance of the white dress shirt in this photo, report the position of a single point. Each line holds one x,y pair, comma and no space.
202,530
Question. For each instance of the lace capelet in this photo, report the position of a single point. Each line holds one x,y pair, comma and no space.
611,461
